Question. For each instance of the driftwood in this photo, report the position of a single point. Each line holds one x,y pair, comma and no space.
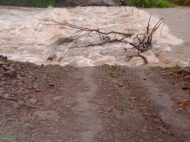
143,44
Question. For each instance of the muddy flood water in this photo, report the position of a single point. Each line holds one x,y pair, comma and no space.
23,36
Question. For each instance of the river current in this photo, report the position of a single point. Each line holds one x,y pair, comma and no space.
23,37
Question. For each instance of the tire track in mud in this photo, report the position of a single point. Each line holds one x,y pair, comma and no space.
87,117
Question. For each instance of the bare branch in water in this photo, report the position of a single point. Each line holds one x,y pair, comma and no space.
144,44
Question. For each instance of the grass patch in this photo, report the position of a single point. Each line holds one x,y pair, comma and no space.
163,4
173,69
49,79
53,66
123,107
152,68
116,73
10,137
148,3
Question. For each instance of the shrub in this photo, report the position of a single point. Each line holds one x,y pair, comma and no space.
181,2
163,4
149,3
31,3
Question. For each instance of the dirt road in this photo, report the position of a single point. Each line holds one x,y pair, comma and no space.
93,104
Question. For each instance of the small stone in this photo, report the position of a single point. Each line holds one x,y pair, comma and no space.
21,103
187,78
185,87
33,101
12,73
143,130
29,106
51,85
6,68
50,115
57,98
9,119
120,84
160,140
178,98
171,73
1,63
133,98
162,129
59,140
183,71
179,109
68,106
38,90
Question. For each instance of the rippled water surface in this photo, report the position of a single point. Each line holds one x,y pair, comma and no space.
24,38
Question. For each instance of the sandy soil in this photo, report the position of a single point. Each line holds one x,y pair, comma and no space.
92,104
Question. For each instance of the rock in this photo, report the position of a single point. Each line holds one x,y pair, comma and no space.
50,115
183,101
59,140
4,57
57,98
187,78
143,130
182,71
12,73
133,98
1,63
178,98
7,68
38,90
57,57
160,140
171,73
51,85
162,129
19,77
33,101
120,84
179,109
2,83
185,87
21,103
30,106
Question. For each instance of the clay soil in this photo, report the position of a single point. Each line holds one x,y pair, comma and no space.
93,104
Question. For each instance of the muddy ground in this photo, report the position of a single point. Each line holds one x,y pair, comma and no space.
93,104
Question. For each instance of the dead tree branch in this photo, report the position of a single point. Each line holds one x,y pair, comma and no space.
143,45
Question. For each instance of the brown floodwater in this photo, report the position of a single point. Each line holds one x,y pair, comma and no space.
178,21
23,36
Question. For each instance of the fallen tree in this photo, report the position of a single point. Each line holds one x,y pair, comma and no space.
144,44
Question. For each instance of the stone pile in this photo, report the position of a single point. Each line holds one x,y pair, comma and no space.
6,68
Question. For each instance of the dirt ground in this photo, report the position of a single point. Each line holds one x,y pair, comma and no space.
92,104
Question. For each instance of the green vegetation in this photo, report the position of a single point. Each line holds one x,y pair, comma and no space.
163,4
152,67
173,69
181,2
31,3
53,65
49,79
138,3
116,73
148,3
123,107
10,137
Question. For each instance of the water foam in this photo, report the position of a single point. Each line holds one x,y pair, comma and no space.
22,38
